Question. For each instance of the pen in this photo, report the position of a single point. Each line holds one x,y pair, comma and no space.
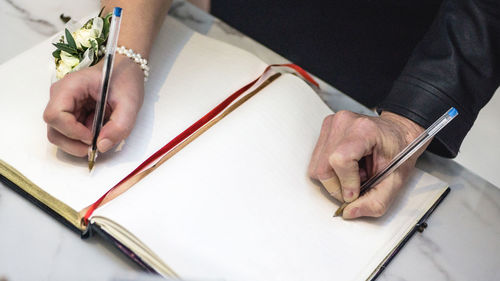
406,153
114,29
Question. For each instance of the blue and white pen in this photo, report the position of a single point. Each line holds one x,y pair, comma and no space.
109,56
413,147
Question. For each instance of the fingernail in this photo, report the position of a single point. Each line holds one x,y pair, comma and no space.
104,145
352,214
348,196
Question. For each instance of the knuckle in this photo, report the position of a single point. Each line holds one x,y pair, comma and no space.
338,158
364,122
58,87
52,136
122,129
53,89
49,115
350,184
343,114
342,121
378,208
68,76
322,173
327,120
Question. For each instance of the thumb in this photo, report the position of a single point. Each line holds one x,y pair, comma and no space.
376,201
118,127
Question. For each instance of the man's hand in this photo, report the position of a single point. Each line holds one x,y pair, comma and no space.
352,148
70,111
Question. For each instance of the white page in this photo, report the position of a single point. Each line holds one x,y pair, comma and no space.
237,204
25,82
272,223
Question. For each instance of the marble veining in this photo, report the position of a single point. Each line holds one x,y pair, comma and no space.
41,26
191,16
480,215
462,241
431,251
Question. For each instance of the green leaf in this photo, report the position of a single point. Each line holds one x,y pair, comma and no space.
71,40
88,24
93,44
100,12
96,59
66,48
56,54
107,23
100,40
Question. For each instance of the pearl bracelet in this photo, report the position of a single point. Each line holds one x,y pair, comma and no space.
142,62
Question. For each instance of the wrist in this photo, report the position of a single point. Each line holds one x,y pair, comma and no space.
410,130
141,62
124,69
126,66
141,22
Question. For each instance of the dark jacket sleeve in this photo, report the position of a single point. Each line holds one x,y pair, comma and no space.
456,64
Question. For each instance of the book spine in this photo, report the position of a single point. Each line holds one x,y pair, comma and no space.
38,203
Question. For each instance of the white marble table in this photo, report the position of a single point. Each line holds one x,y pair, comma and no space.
462,241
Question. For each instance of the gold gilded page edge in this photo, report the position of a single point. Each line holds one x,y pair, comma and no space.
66,212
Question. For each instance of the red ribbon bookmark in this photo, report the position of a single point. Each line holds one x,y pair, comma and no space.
193,128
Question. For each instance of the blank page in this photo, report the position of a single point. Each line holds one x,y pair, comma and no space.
166,112
237,204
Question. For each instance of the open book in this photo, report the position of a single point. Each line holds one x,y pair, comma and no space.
236,203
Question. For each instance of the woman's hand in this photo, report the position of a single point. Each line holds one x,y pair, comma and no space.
70,111
352,148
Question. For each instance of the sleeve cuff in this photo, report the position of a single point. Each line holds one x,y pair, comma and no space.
423,104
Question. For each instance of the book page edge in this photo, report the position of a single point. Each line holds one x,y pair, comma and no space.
38,194
132,243
410,232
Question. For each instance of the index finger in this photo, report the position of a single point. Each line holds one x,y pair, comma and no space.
58,116
320,146
344,161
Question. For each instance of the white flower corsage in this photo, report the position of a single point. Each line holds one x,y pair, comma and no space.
83,47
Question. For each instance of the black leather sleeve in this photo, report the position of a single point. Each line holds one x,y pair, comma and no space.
456,64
